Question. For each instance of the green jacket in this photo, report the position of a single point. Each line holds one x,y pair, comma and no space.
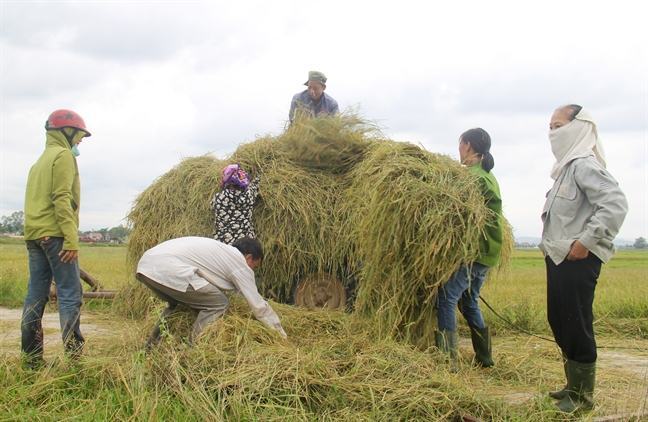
490,243
53,194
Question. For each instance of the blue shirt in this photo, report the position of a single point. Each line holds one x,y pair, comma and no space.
302,101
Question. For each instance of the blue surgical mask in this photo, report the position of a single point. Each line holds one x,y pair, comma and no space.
75,150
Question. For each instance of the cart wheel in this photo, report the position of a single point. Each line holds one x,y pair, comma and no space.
320,290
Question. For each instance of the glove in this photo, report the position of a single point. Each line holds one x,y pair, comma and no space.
271,320
281,331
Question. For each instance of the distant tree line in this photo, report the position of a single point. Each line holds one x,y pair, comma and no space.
640,243
15,224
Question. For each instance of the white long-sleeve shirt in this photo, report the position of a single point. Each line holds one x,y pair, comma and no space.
198,261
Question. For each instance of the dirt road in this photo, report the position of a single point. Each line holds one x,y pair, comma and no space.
92,325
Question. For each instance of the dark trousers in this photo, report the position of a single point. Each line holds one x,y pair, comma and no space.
570,294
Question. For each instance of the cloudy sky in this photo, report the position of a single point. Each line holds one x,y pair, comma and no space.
157,81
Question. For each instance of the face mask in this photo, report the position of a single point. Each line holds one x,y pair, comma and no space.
562,139
75,151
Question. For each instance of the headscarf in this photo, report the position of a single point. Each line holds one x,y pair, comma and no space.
578,138
233,174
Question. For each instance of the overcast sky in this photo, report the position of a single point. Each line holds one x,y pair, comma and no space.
157,81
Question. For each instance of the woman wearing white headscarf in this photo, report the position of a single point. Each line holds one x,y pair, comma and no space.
583,213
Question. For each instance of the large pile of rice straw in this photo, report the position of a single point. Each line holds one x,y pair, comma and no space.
332,367
336,197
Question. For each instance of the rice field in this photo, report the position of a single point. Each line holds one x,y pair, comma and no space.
106,263
334,367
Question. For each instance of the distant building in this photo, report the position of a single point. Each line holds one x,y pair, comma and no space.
525,245
91,237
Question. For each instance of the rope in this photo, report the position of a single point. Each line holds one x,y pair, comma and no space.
522,330
510,324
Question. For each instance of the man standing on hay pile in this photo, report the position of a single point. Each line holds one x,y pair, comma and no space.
582,214
52,201
194,271
313,102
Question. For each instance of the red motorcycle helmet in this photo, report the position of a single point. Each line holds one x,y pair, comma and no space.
65,118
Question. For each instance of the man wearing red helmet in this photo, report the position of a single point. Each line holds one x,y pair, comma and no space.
52,201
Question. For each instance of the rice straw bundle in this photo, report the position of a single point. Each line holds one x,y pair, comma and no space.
336,198
334,145
415,217
331,367
175,205
294,221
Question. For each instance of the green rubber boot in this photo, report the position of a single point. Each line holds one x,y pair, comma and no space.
561,394
481,342
580,396
446,342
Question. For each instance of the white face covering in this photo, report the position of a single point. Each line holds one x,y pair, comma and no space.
579,138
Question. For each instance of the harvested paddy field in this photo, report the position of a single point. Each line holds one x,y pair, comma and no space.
331,368
388,222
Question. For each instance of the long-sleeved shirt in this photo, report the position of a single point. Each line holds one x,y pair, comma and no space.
303,103
198,261
584,204
53,194
490,243
233,212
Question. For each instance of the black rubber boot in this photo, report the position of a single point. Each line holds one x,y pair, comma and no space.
481,342
561,394
446,342
32,362
580,395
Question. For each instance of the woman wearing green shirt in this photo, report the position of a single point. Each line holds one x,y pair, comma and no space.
464,285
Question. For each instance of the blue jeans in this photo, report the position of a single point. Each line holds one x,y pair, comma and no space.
44,263
463,290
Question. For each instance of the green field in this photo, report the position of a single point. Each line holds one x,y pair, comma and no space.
518,293
239,373
105,263
620,305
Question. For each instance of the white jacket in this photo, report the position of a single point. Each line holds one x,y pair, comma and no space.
198,261
585,204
